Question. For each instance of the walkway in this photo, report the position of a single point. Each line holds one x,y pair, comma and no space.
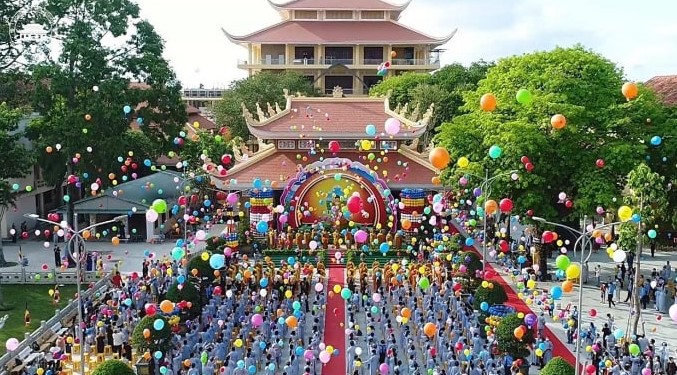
334,322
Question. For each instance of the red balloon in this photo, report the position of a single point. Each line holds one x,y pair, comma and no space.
505,205
600,163
220,195
593,313
504,246
150,309
569,203
354,204
529,167
334,146
530,213
548,236
183,200
226,159
525,159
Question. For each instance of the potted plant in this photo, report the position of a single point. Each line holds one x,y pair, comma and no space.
558,366
514,338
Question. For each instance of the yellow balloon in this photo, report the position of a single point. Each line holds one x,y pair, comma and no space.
365,144
539,352
337,289
573,271
238,343
329,349
531,284
624,213
204,256
288,293
463,162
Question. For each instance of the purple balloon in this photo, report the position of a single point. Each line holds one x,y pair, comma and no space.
477,192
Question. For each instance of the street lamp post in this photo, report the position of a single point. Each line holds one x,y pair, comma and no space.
77,234
486,184
585,242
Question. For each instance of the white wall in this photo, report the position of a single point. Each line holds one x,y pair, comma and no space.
25,204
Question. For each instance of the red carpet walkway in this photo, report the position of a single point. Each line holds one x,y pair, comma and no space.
334,323
559,348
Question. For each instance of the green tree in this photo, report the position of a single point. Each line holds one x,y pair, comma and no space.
157,341
205,271
558,366
189,292
82,93
645,191
508,343
261,88
15,159
584,87
493,294
207,145
456,79
400,87
113,367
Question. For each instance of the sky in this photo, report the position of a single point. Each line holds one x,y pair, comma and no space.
640,36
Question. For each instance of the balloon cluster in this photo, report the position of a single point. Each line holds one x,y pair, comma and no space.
382,69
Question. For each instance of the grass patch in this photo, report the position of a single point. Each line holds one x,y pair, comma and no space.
40,305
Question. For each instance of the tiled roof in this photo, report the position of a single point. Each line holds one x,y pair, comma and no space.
331,118
339,4
338,32
665,87
205,123
280,167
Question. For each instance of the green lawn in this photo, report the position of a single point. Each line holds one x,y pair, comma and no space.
40,305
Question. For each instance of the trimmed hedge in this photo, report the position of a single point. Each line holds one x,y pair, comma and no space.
113,367
558,366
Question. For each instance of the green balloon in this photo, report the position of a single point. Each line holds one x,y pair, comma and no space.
495,152
634,349
562,262
346,293
424,283
160,206
524,96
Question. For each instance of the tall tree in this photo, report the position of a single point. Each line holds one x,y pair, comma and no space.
262,88
15,159
645,191
91,92
585,88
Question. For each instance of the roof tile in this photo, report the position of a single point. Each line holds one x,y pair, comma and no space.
665,87
340,4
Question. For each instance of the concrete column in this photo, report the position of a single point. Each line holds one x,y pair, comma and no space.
150,231
357,54
92,221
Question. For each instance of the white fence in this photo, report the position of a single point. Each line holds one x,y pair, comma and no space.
60,316
29,277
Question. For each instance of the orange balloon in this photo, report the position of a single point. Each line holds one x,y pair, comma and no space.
247,274
596,233
146,333
115,241
111,176
568,286
49,149
166,306
519,333
608,237
488,102
558,121
439,157
86,234
436,180
146,355
630,90
555,236
405,312
406,224
88,117
291,321
490,206
430,329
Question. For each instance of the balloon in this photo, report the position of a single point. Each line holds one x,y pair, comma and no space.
630,90
430,329
505,205
634,349
262,226
573,271
651,233
484,306
488,102
673,312
562,262
160,206
463,162
392,126
439,157
523,96
334,146
495,152
490,207
370,130
556,292
11,344
166,306
624,213
558,121
619,256
656,140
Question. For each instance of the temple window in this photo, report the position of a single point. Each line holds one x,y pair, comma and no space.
372,15
305,14
338,15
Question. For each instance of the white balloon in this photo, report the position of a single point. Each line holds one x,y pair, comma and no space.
619,256
358,351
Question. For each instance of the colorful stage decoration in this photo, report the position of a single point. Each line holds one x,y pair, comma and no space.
260,214
340,191
412,203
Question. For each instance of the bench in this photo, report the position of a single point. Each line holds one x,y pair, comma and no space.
50,336
23,355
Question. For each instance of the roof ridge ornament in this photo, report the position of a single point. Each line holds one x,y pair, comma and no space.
260,113
271,110
415,113
247,115
428,115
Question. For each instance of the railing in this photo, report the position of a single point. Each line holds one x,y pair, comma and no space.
432,61
372,61
28,277
63,315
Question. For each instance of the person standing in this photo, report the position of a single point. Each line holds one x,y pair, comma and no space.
653,247
57,256
610,292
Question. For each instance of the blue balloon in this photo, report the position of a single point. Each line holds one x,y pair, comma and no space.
384,247
208,203
127,109
291,261
139,120
262,226
159,324
252,369
556,292
469,241
263,282
484,306
636,218
370,130
262,345
217,261
656,140
258,184
240,364
181,279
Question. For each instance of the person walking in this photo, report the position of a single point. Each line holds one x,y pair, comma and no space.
57,256
610,294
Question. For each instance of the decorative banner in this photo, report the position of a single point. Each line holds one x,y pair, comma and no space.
338,191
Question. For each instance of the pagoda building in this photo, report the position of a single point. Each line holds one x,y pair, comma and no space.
311,155
340,43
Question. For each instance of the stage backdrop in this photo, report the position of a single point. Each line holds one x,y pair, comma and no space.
320,194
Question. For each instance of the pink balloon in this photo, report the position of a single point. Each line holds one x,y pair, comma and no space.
308,355
319,287
257,320
383,368
673,312
232,198
325,356
361,236
392,126
354,204
376,297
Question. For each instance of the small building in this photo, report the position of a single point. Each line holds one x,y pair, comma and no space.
340,43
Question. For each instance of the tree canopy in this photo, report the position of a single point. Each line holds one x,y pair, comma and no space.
604,138
102,101
113,367
261,88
